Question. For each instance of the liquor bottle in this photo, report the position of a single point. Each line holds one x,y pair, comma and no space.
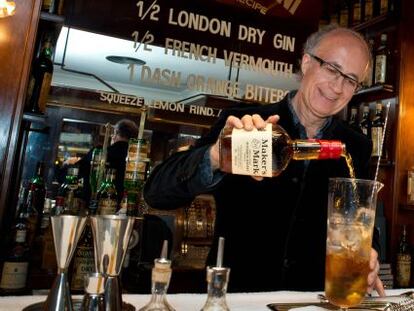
377,129
356,12
107,195
39,189
403,261
83,260
70,199
370,75
344,15
268,152
160,279
31,215
95,178
48,256
15,266
382,61
41,79
365,123
47,5
410,186
383,7
368,10
136,168
353,119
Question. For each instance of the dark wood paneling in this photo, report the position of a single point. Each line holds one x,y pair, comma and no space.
17,34
405,134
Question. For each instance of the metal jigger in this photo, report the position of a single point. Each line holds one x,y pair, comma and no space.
67,230
111,237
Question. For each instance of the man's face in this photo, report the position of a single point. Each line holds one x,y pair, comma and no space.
322,94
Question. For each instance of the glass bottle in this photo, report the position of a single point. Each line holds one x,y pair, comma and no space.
83,260
39,189
382,61
31,215
15,266
41,79
410,186
107,195
365,123
356,12
377,129
369,10
353,118
161,275
268,152
403,261
48,257
95,178
217,281
344,15
70,194
370,75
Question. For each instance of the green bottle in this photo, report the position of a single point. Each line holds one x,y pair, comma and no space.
107,195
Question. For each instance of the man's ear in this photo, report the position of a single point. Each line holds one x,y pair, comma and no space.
305,64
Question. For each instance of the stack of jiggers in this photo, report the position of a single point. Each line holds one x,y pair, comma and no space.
102,289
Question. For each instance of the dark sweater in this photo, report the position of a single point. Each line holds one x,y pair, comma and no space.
275,229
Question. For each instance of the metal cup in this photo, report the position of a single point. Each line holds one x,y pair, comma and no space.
93,300
67,230
111,237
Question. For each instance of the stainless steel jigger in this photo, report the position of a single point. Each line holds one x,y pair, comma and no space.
93,300
67,230
111,235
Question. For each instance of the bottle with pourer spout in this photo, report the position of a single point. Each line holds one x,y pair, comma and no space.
161,275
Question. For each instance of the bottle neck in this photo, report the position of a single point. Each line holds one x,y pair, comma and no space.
317,149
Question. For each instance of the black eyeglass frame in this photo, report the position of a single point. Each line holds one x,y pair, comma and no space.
343,75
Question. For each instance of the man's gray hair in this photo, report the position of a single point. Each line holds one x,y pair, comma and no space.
315,39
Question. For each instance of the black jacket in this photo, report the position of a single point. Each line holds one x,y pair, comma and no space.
275,229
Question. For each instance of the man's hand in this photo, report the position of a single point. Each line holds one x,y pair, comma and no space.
374,281
247,122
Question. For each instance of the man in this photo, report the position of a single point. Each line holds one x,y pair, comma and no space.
116,155
275,228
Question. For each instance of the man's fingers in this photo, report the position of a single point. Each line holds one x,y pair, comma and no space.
379,287
273,119
233,121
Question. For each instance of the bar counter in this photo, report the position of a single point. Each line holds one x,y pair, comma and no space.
194,302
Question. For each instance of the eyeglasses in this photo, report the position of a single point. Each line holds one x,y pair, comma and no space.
334,73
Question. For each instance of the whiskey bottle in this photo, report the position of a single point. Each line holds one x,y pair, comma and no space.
382,61
70,195
41,79
95,178
403,261
353,119
377,129
31,215
48,256
107,195
370,75
356,12
39,189
344,15
368,10
83,261
268,152
365,123
410,186
15,266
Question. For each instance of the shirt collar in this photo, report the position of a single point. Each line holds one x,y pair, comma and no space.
299,126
